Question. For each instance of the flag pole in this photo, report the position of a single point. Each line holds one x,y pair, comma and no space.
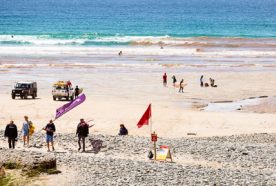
150,120
154,142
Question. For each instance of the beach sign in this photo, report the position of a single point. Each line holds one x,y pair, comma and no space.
164,153
154,137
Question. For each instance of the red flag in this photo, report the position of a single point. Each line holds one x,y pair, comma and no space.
145,118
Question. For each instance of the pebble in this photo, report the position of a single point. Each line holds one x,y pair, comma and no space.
229,160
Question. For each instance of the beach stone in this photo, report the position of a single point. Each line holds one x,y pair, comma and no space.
214,160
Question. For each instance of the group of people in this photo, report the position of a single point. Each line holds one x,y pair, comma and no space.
77,90
11,133
82,132
181,84
212,82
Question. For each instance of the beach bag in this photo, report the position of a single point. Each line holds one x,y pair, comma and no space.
150,155
32,129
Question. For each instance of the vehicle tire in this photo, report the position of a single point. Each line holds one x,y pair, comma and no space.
21,96
33,96
72,98
25,96
13,96
67,98
54,98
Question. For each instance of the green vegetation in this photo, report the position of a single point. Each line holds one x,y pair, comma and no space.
33,171
42,168
12,165
53,171
37,172
7,180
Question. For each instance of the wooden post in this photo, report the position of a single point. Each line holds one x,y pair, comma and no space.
154,139
154,146
151,120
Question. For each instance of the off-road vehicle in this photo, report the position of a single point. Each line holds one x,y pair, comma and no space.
24,89
62,90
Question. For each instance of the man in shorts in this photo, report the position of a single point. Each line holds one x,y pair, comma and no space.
50,129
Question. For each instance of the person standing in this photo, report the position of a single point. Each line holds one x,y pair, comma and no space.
201,81
26,130
77,91
165,79
50,129
181,86
82,132
174,80
11,134
69,84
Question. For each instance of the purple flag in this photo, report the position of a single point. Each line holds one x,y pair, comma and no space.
69,106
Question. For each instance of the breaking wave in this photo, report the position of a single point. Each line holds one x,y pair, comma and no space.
118,40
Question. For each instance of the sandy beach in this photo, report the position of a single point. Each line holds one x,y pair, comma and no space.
121,95
227,131
117,53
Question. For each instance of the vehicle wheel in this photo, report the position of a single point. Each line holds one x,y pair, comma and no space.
21,96
33,96
54,98
25,96
72,98
67,98
13,96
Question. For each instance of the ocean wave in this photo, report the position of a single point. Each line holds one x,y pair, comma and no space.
119,40
6,66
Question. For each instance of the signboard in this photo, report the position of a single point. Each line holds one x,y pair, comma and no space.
164,153
154,137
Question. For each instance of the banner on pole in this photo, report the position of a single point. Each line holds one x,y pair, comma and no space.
69,106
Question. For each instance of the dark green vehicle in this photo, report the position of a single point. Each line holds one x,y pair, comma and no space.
24,89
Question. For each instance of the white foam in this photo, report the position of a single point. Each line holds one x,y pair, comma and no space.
231,106
69,50
40,40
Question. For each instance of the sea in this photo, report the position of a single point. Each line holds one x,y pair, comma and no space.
240,28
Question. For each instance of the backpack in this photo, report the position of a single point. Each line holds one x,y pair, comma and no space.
150,155
32,128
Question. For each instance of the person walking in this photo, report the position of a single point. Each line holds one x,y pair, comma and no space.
50,129
82,132
26,130
11,134
181,86
201,81
77,91
174,80
165,79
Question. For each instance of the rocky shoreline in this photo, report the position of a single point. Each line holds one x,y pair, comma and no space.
122,160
